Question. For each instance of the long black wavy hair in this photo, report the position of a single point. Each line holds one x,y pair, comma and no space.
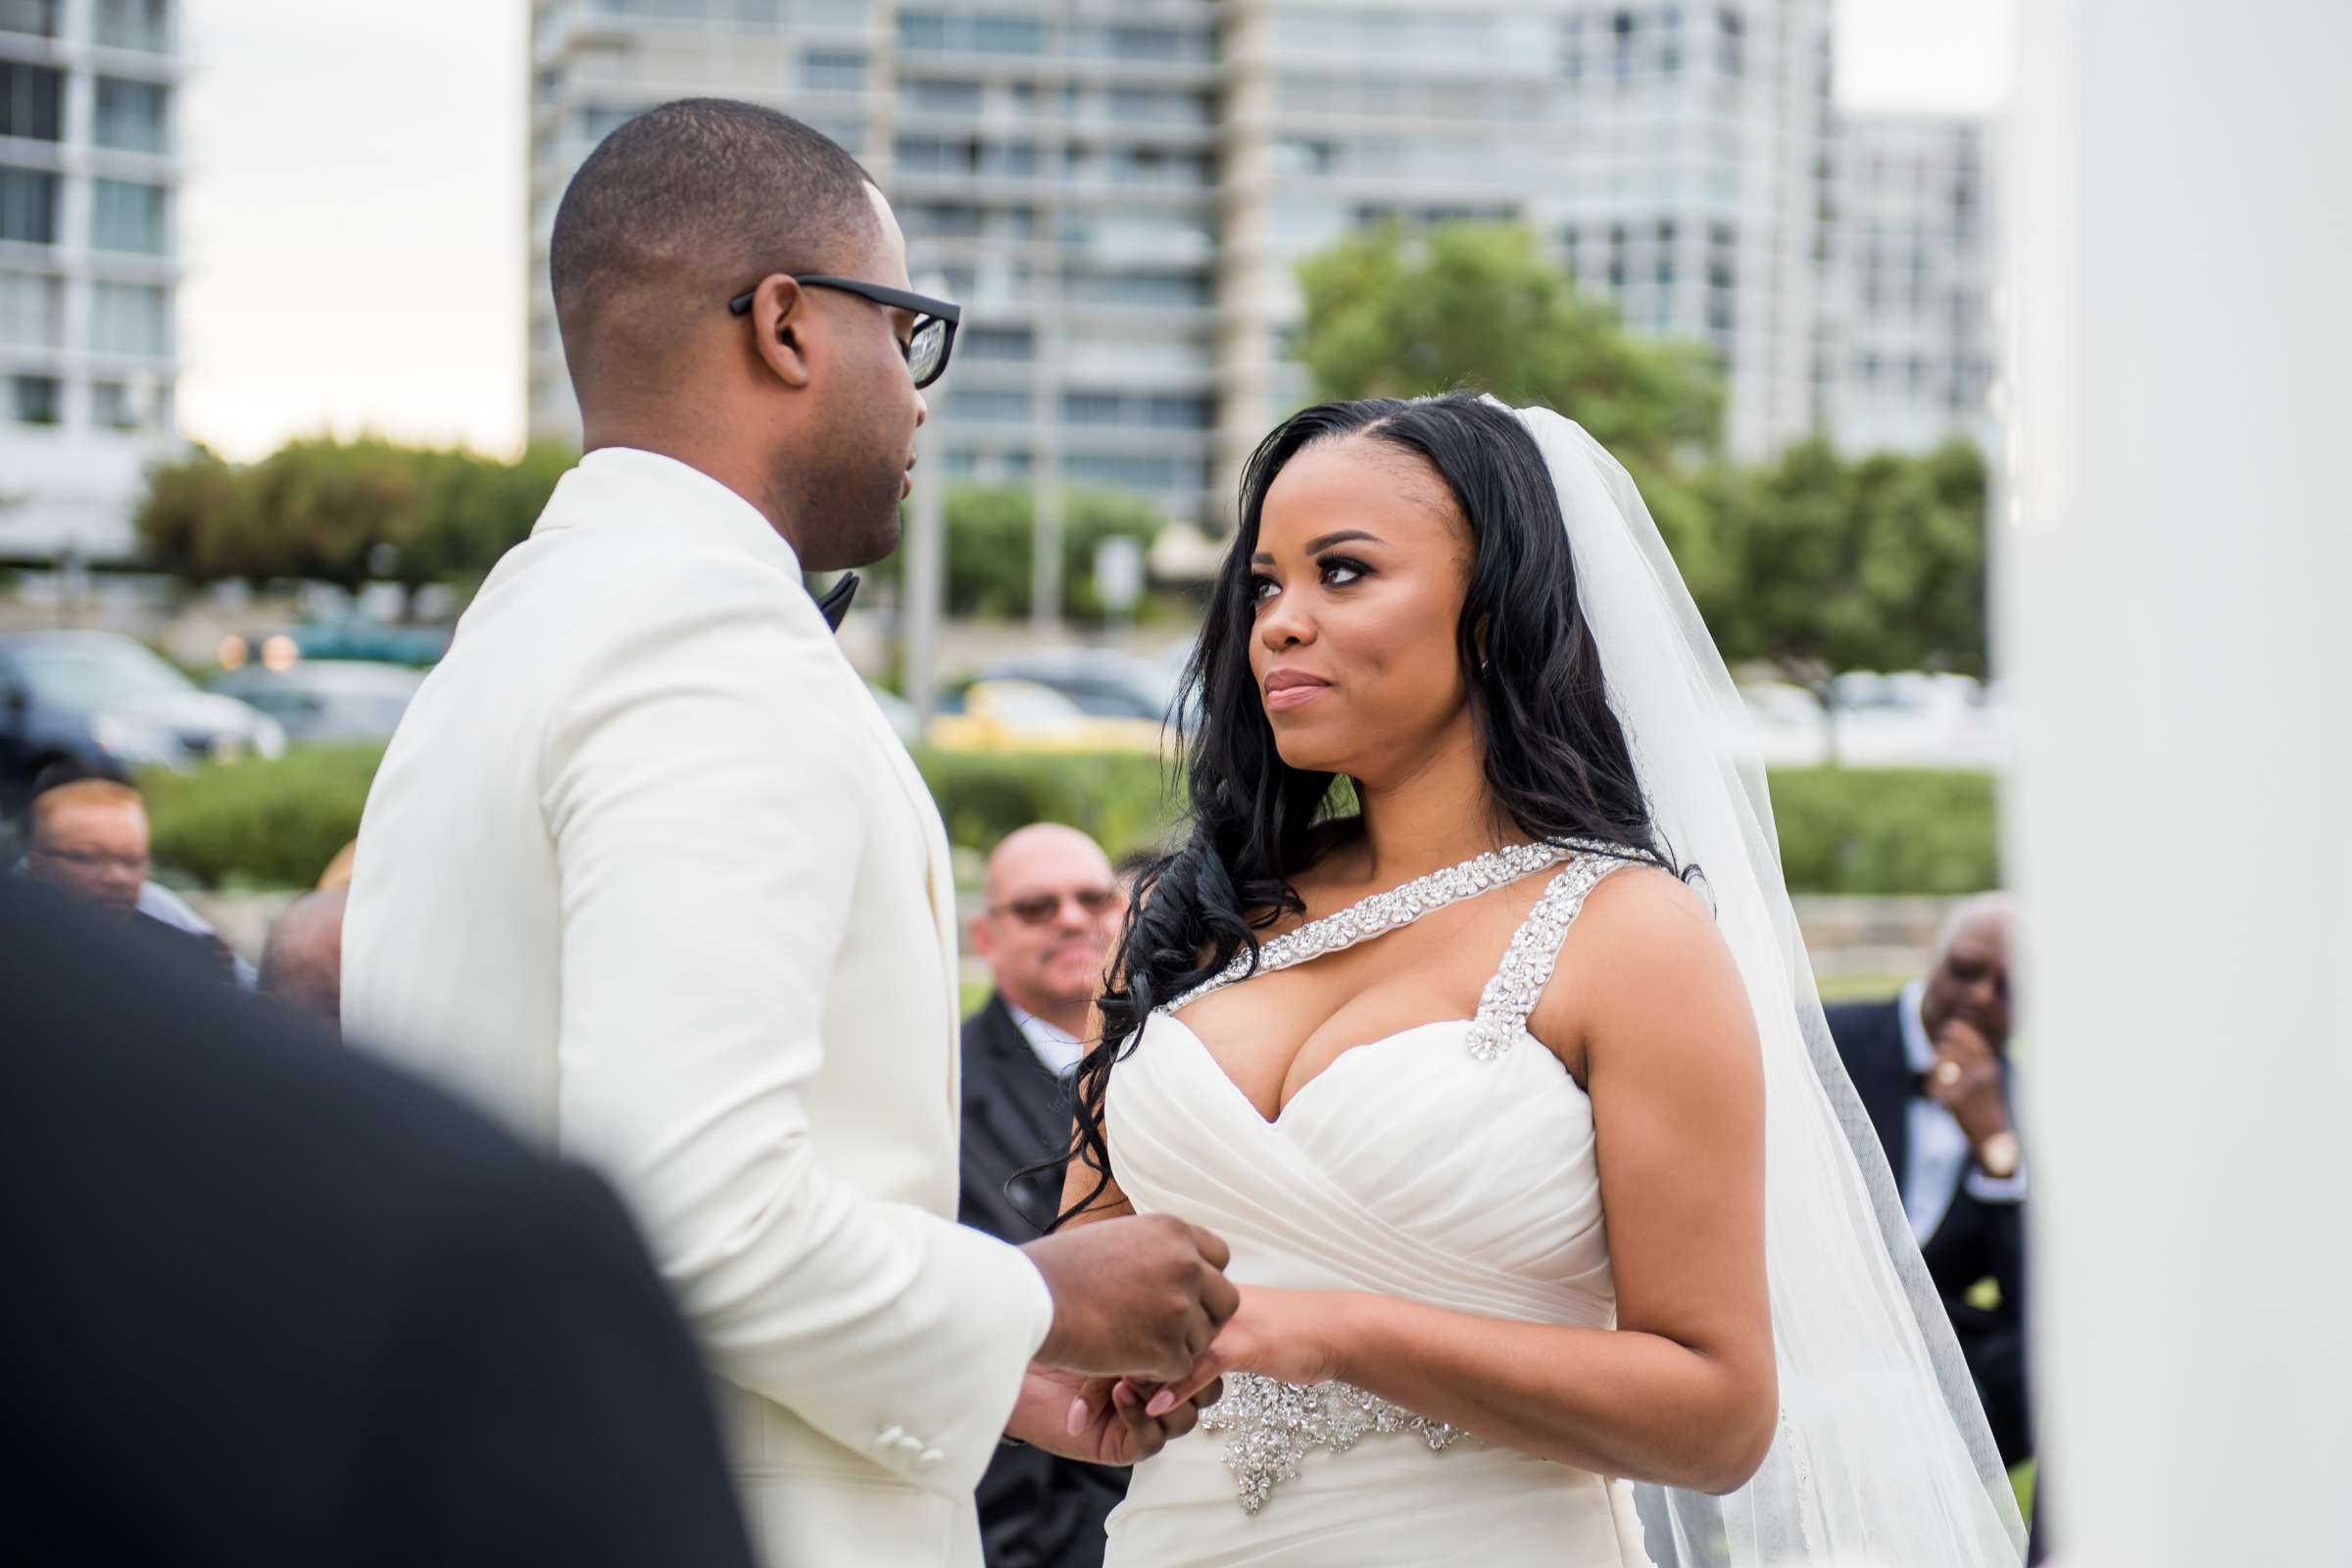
1556,763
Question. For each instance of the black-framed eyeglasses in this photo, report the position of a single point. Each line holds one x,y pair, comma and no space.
926,347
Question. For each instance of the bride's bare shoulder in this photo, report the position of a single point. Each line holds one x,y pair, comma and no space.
1645,945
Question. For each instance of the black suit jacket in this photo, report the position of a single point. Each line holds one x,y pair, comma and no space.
1976,1240
272,1302
1036,1510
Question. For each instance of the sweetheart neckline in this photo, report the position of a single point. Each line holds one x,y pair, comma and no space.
1282,1114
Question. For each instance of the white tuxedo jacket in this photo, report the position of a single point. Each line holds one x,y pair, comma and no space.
647,872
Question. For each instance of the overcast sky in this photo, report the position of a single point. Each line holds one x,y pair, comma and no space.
351,207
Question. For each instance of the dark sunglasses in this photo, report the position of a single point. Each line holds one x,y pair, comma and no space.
1040,907
926,347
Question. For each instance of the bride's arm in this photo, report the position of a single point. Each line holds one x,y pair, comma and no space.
1681,1392
1079,1180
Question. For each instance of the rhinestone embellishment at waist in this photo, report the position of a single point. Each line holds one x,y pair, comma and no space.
1272,1426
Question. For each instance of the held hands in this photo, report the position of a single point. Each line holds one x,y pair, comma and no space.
1290,1336
1098,1420
1139,1296
1142,1295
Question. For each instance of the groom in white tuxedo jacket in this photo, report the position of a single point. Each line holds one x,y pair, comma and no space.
646,871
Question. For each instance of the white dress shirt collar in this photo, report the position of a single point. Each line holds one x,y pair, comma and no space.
1917,1049
1057,1049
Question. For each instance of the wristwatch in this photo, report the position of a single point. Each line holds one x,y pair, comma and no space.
1999,1155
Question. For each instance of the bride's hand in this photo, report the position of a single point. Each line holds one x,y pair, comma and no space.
1290,1336
1098,1420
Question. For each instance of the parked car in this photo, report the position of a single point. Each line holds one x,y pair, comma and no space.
1100,681
107,703
356,639
1020,715
327,699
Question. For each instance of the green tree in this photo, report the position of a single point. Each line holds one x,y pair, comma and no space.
345,512
179,517
1818,564
991,543
1391,313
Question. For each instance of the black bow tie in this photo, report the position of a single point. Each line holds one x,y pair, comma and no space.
836,604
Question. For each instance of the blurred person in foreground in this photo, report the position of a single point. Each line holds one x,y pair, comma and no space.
277,1304
302,963
1932,1067
87,837
1050,907
646,870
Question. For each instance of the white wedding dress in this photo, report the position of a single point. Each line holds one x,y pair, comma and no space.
1451,1165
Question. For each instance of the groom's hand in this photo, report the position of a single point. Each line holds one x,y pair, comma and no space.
1140,1296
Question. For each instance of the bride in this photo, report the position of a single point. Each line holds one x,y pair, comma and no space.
1471,1013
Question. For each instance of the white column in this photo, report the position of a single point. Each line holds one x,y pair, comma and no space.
2175,557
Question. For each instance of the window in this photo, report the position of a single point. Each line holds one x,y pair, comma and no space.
113,407
1151,106
1178,411
131,318
125,215
1572,49
943,97
33,399
27,206
1136,473
940,220
29,99
131,115
833,70
990,405
1013,343
1091,407
1730,39
36,17
1007,35
1153,43
32,310
136,25
989,32
595,121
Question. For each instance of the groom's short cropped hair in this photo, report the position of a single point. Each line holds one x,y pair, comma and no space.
682,208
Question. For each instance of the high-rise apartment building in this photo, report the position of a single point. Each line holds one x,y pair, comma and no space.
89,176
1916,258
1119,190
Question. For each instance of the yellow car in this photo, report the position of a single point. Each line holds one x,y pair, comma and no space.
1020,715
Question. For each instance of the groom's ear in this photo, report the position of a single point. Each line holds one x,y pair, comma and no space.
782,326
977,937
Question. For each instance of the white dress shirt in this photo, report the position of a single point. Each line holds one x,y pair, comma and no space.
1057,1048
1939,1149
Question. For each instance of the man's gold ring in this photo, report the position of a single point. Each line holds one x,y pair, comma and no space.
1947,1073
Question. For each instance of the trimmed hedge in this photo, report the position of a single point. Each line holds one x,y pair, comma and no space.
1842,830
276,824
1886,830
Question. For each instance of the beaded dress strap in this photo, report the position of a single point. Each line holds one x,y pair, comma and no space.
1527,963
1386,912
